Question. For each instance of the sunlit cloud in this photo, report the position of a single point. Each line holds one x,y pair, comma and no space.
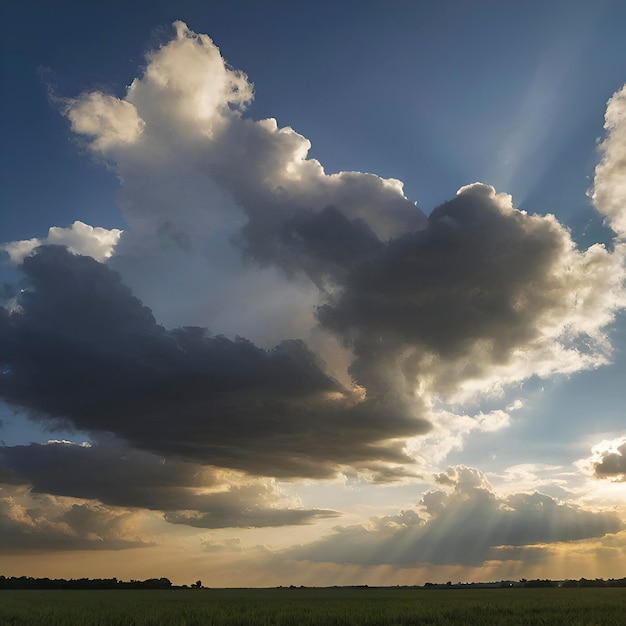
464,522
79,238
609,188
40,522
262,320
607,460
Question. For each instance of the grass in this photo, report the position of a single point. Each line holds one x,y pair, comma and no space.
310,607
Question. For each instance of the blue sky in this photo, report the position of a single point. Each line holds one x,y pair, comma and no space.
430,361
440,88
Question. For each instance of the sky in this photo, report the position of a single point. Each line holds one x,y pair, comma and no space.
313,293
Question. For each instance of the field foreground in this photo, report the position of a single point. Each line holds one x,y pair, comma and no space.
307,607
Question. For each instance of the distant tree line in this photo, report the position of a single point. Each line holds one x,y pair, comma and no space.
582,582
26,582
597,582
530,584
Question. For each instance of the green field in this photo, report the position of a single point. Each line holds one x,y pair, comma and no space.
327,607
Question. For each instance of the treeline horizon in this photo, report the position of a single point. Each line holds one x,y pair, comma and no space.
28,582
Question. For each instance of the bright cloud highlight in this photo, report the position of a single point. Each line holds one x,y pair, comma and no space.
263,325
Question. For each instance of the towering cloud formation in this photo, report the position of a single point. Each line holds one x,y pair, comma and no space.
188,106
478,295
472,298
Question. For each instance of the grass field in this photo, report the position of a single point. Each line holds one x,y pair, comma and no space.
328,607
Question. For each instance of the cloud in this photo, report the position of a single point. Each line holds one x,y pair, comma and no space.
79,346
191,102
428,311
196,82
607,460
476,296
117,475
485,296
110,121
79,238
612,464
32,522
553,480
609,185
449,432
465,523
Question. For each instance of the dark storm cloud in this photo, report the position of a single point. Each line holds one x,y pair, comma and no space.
478,294
117,475
460,280
464,527
79,346
482,280
612,464
113,474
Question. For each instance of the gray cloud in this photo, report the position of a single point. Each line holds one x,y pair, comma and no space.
119,476
465,526
483,286
226,516
479,294
467,277
81,347
325,244
611,464
475,297
40,522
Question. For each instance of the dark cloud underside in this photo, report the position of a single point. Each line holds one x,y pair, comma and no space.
612,464
119,476
81,347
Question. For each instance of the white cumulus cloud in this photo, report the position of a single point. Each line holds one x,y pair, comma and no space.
609,191
79,238
109,121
